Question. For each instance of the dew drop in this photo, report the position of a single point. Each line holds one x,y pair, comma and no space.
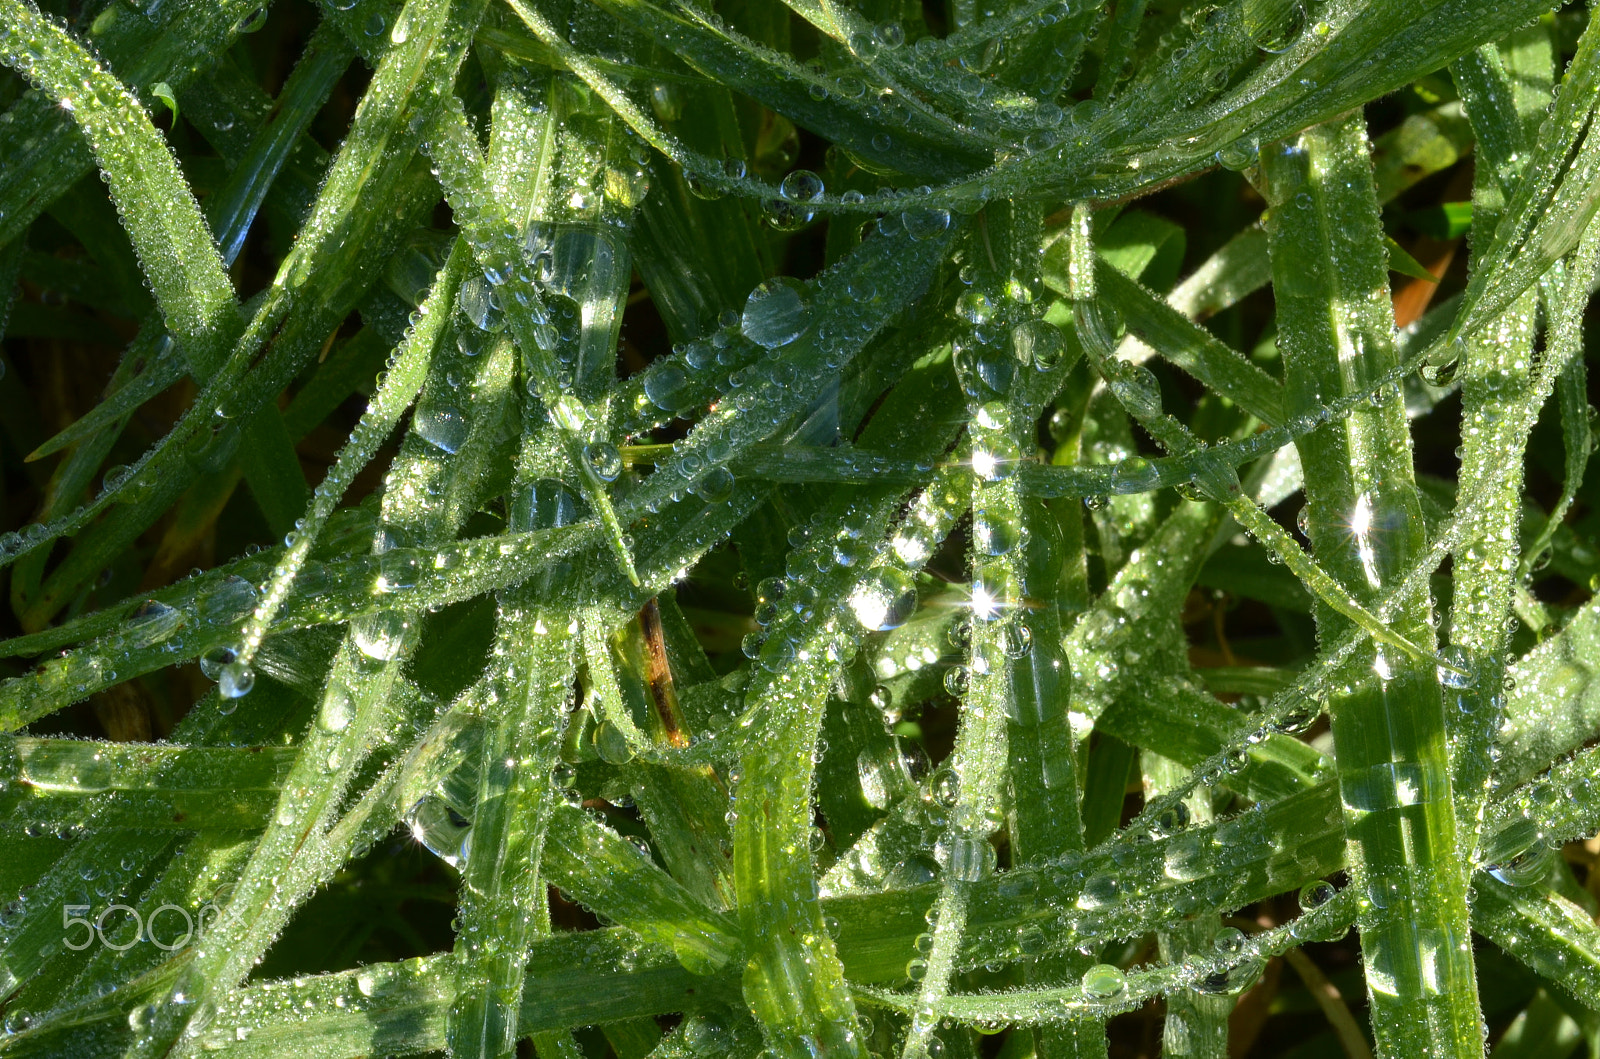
776,313
442,426
1103,981
884,600
236,680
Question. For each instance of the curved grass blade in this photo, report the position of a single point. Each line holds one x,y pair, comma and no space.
160,214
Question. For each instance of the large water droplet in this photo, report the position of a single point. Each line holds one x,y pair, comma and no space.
379,636
438,826
442,426
214,660
1316,894
776,314
715,486
1530,866
236,680
668,388
801,186
995,532
1039,343
1103,981
885,600
604,460
152,622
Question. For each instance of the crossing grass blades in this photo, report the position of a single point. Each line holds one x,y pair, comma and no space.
1050,528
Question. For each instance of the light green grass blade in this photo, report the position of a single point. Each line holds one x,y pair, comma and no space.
1389,727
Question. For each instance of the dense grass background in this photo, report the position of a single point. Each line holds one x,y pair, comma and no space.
938,531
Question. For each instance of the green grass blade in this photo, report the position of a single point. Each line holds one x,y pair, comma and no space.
174,245
1389,727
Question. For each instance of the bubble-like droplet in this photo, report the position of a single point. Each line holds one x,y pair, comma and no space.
1240,154
668,388
1103,981
1038,342
974,307
1135,386
546,504
802,186
965,855
715,486
611,743
338,709
228,601
1298,719
776,313
236,680
1530,866
1229,941
1457,669
440,827
1316,894
153,622
604,460
957,680
995,532
213,661
1273,25
925,224
884,600
1172,819
442,426
379,636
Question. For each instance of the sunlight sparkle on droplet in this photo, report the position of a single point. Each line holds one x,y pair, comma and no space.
1361,528
984,603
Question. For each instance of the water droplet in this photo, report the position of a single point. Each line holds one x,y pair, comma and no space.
884,600
974,307
668,387
236,680
213,661
1172,819
604,460
802,186
379,636
1316,894
995,532
442,426
776,313
611,743
1240,154
922,225
1229,941
1039,343
1272,25
1530,866
1103,981
1457,669
715,486
441,828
